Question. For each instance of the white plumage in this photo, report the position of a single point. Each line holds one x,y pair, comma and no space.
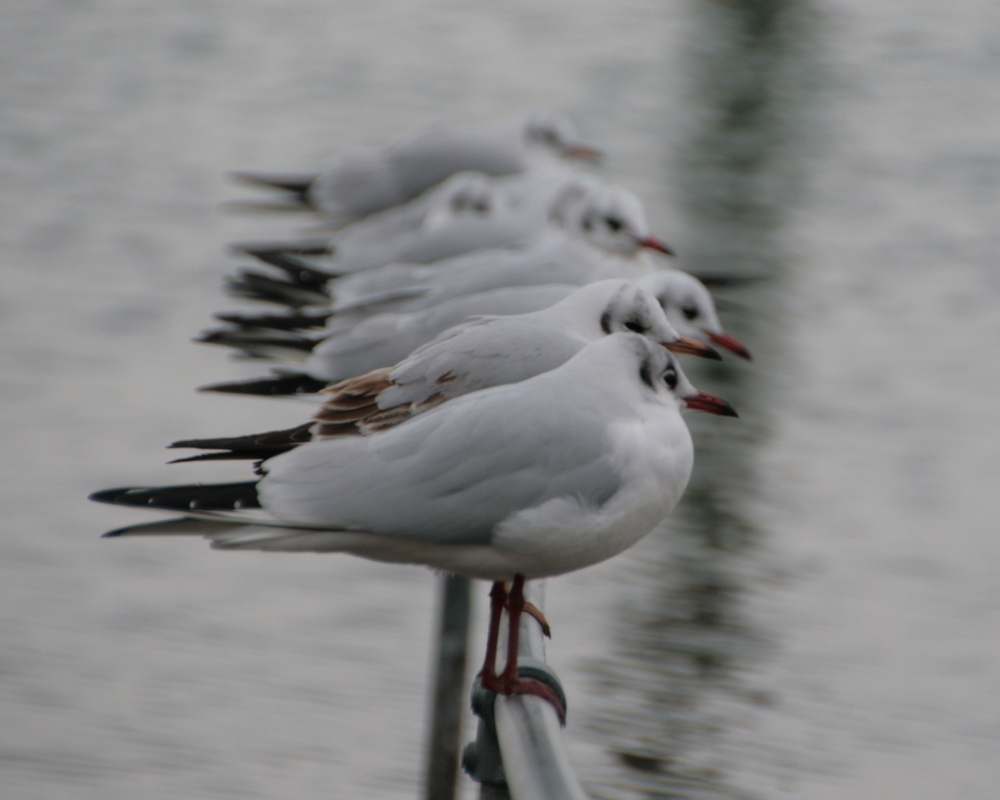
537,478
365,181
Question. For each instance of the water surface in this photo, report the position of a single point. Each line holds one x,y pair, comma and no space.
820,617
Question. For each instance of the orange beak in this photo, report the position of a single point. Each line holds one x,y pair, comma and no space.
703,401
730,343
693,347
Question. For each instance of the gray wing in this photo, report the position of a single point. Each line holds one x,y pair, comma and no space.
452,474
484,352
386,339
441,151
547,259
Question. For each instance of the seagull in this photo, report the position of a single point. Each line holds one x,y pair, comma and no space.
463,354
478,354
365,181
690,309
522,481
350,348
603,235
470,212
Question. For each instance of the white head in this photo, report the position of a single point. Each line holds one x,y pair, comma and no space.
619,306
655,372
465,196
689,308
555,133
608,217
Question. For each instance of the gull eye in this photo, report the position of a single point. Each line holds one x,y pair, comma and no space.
481,206
614,223
689,312
635,327
670,378
588,224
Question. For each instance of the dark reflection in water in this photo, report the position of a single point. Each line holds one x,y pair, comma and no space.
679,680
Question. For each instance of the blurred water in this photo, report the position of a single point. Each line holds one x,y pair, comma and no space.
818,620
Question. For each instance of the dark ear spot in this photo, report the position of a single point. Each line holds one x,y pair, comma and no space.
646,373
606,322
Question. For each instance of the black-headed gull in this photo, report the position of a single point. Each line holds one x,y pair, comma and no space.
478,354
508,212
690,308
528,480
498,348
604,237
365,181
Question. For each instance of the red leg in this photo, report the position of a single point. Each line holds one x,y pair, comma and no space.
515,605
509,681
498,599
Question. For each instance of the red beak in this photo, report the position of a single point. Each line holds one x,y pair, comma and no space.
731,343
583,152
654,243
703,401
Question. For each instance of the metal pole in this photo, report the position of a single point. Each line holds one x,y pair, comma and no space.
455,594
520,751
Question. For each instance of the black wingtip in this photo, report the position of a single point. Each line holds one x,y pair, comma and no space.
190,497
296,183
111,495
254,285
298,247
278,386
281,322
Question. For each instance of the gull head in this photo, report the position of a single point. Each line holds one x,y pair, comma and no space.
465,196
608,217
690,309
630,359
615,305
553,132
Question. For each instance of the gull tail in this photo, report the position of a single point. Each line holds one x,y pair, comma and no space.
182,526
230,516
248,536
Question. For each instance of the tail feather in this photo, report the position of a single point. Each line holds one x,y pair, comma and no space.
233,535
184,526
191,497
277,386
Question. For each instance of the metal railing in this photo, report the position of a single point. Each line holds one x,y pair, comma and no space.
519,752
